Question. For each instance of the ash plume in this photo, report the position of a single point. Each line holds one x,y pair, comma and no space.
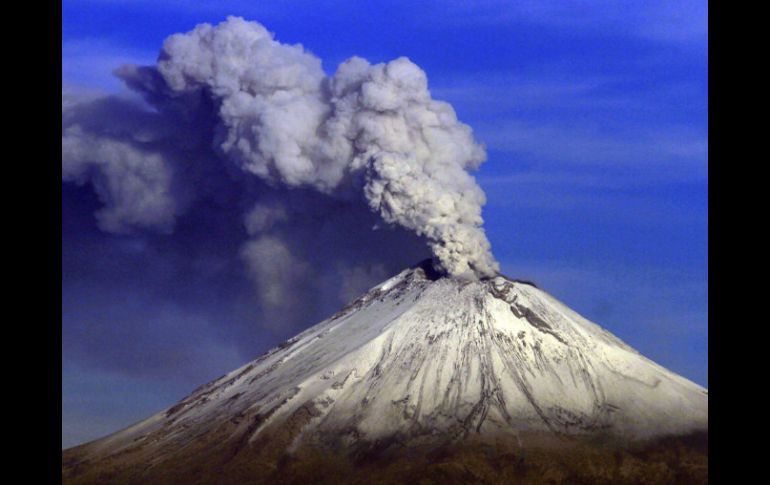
236,122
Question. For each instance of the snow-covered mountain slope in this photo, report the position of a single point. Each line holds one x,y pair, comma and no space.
424,357
415,355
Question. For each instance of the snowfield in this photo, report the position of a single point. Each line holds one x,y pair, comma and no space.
419,356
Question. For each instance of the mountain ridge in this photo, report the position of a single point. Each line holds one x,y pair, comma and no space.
421,360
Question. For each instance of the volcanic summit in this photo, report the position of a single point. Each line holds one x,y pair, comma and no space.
425,377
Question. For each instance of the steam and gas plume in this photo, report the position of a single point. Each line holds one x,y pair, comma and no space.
237,121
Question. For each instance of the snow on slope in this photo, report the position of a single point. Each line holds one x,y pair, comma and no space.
420,355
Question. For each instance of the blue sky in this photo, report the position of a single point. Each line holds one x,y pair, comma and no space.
595,119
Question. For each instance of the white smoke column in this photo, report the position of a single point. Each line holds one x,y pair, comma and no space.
371,130
415,155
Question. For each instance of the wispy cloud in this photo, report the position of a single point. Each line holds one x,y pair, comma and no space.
634,126
90,62
674,147
498,92
561,89
592,199
682,21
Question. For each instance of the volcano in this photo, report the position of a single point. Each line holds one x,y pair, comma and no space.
429,378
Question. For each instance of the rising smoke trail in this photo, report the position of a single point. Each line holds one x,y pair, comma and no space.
269,111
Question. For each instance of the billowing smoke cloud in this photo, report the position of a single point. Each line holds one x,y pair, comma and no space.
133,179
370,129
238,123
